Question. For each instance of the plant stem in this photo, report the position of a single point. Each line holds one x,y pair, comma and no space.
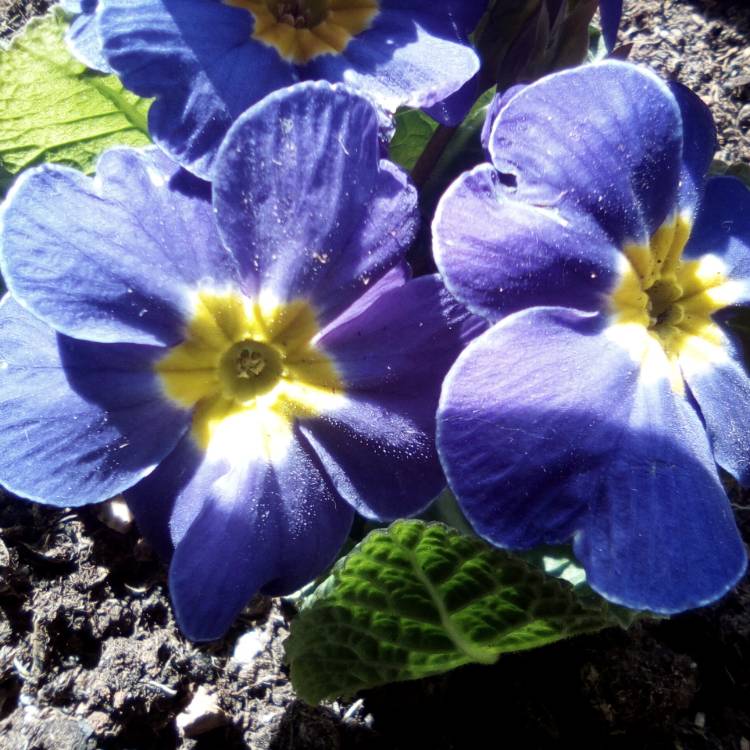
431,154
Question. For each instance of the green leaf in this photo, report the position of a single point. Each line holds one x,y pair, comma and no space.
413,132
418,599
53,109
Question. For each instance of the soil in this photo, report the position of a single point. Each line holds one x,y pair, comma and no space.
705,44
90,657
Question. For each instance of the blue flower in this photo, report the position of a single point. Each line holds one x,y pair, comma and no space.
610,386
207,61
250,370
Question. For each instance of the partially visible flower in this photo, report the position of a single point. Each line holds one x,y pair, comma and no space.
83,34
597,407
207,61
248,373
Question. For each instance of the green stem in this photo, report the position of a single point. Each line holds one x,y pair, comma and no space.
431,154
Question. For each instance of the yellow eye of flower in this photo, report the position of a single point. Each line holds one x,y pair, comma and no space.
248,369
301,30
666,302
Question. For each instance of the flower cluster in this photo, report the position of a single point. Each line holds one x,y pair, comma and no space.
248,360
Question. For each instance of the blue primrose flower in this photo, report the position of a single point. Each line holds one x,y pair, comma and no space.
249,370
207,61
598,405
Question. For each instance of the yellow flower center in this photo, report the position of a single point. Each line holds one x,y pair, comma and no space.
663,305
248,369
301,30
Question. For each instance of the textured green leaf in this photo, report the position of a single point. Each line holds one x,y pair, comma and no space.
418,599
53,109
413,132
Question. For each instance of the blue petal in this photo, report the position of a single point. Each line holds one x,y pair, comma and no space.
304,202
116,259
79,422
548,430
620,161
241,526
499,253
719,382
660,534
379,447
722,229
699,144
83,36
154,500
408,57
453,110
461,16
521,413
199,60
610,12
497,103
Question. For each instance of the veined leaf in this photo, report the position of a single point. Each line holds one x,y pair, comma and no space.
418,599
413,132
53,109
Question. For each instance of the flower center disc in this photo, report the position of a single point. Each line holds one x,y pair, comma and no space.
662,304
301,14
249,369
301,30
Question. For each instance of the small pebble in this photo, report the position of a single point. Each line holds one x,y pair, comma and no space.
116,515
248,646
201,715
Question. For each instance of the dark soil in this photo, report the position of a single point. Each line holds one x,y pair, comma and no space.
90,658
15,13
705,44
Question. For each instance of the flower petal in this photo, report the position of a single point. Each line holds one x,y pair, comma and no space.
522,411
712,366
199,60
79,422
661,534
379,447
610,12
539,446
699,144
460,15
722,231
408,57
115,260
619,161
242,526
83,36
499,253
304,201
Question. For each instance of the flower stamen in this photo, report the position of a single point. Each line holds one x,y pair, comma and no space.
249,366
666,301
301,30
